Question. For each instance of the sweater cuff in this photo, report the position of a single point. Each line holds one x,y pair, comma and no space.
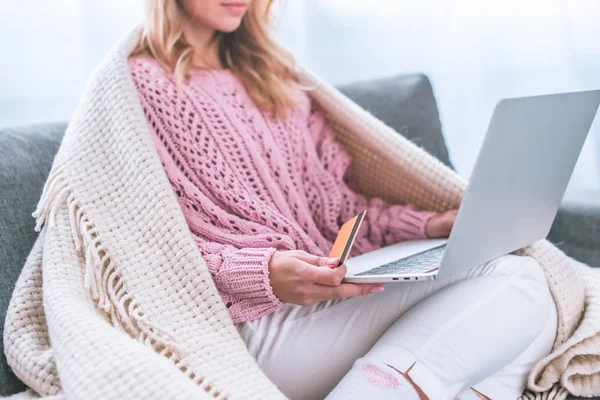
245,276
411,223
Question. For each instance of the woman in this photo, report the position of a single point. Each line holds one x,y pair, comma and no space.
264,188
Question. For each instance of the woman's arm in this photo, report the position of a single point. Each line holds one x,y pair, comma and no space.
384,223
242,278
255,282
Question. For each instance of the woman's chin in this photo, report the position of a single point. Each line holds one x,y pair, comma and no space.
229,26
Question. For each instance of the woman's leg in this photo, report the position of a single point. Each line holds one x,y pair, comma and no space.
488,326
307,350
503,382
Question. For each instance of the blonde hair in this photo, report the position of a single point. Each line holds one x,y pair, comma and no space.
265,69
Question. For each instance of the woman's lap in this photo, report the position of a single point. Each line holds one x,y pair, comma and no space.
305,351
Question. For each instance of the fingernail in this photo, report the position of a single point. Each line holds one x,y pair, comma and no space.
377,289
332,261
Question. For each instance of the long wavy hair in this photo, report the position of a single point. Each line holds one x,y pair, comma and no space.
266,70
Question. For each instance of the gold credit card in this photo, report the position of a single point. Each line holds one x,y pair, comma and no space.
345,238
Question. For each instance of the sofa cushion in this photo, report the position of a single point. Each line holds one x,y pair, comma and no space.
25,159
407,104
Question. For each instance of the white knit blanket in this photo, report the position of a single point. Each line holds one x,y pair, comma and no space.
115,300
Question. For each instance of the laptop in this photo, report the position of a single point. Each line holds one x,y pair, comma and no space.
513,195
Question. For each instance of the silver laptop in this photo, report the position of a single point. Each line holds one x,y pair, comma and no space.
514,192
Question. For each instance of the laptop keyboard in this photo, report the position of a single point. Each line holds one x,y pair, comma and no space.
425,261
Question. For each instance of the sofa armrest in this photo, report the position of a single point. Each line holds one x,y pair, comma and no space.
576,229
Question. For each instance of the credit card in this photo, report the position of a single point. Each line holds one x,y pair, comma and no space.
345,238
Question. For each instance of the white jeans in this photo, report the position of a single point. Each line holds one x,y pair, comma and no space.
484,330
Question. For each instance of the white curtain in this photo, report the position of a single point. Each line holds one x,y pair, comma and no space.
474,51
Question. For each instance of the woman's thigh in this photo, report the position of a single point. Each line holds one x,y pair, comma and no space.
470,331
510,381
305,351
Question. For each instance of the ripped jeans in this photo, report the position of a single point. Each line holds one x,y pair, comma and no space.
485,330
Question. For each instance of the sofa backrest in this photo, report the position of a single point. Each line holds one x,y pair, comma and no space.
407,104
26,156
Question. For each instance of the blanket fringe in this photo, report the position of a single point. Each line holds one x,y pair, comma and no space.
556,392
103,281
101,278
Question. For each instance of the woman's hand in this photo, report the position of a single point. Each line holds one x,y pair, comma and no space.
440,225
298,277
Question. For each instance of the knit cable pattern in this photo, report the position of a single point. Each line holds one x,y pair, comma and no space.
249,184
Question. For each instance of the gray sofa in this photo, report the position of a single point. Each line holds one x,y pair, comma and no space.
405,103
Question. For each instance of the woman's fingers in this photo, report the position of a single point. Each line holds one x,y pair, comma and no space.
326,283
326,276
347,290
316,260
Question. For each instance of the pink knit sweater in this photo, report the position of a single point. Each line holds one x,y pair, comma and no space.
250,185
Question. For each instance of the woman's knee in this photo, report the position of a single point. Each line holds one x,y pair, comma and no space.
528,283
522,266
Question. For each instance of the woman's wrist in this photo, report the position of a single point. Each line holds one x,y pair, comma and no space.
427,228
412,223
246,274
440,225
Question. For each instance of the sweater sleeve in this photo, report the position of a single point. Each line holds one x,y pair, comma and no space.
242,279
385,223
240,273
